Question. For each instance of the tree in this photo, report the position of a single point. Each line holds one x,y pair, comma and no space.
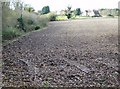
87,12
45,9
68,12
78,11
97,14
29,8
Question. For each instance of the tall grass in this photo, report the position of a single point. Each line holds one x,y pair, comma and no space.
51,16
31,21
11,26
10,33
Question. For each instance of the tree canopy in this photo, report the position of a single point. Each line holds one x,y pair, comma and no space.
45,9
78,11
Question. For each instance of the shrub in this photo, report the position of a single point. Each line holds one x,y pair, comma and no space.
21,24
110,15
32,20
52,17
37,27
69,16
68,12
10,18
42,21
10,33
13,24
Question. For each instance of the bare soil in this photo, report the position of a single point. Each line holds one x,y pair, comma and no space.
66,54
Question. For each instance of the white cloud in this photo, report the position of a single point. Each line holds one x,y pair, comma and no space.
83,4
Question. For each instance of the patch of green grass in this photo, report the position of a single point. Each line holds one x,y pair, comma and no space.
80,17
45,84
61,18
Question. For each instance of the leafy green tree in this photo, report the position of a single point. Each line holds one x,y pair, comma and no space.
68,12
78,11
45,9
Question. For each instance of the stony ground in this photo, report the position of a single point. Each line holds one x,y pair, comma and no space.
67,53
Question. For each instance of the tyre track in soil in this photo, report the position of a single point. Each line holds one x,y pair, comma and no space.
67,53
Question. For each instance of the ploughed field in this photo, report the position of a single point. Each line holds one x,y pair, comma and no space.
66,53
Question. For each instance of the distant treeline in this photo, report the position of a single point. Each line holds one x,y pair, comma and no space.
114,12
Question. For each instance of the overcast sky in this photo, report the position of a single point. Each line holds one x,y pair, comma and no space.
57,5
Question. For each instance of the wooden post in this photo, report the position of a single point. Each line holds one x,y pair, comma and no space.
0,44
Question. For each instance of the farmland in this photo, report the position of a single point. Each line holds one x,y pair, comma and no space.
67,53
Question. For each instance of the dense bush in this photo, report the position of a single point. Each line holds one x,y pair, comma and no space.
52,17
31,21
14,25
110,15
37,27
21,24
15,21
68,15
10,33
